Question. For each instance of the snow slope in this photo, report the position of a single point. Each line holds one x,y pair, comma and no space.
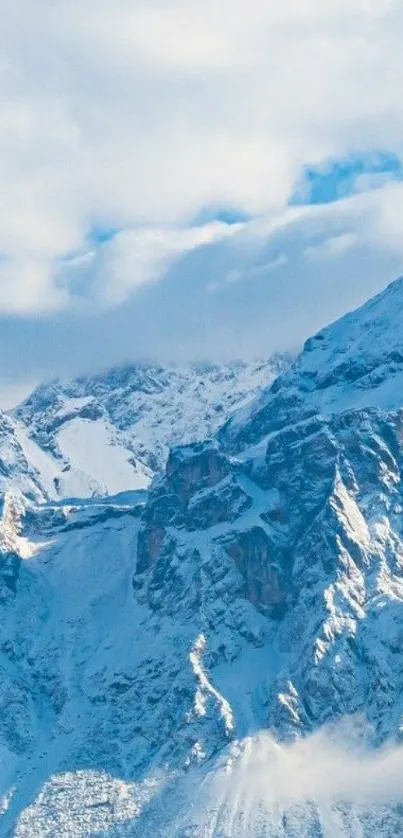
24,467
110,433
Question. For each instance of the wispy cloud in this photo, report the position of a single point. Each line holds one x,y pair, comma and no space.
329,783
276,245
330,766
221,291
133,258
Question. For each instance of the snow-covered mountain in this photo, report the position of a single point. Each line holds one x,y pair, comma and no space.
357,362
225,657
110,433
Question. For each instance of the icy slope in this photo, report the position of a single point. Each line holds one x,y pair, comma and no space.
24,468
109,433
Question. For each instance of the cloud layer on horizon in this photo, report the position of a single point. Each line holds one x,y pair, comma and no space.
214,292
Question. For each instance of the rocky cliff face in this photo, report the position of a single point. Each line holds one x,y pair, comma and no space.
309,533
169,667
295,516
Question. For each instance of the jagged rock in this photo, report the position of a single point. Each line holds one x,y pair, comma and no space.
266,582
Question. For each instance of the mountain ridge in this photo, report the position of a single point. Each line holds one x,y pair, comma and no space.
110,432
344,366
160,657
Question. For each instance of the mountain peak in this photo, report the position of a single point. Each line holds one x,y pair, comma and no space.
355,362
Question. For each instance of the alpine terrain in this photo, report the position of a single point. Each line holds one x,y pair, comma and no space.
109,433
222,655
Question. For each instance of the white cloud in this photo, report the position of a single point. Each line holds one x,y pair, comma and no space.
298,240
331,771
119,114
223,291
135,257
331,246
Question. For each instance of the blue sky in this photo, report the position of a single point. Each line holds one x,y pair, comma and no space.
335,179
182,179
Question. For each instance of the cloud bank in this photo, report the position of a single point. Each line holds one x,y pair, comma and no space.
221,291
130,114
